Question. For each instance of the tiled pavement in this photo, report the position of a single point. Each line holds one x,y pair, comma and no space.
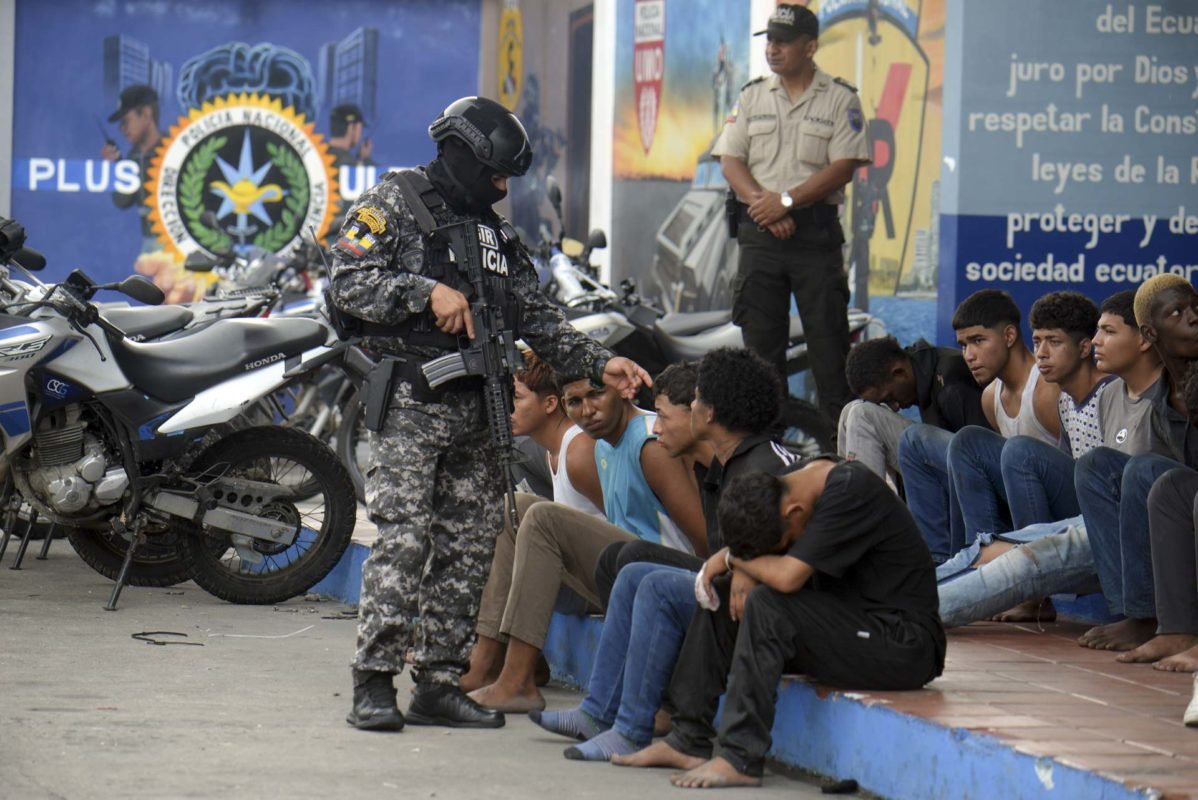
1036,689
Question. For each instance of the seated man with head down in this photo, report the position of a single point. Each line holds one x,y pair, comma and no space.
887,378
829,577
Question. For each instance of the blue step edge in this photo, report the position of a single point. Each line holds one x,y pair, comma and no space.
843,734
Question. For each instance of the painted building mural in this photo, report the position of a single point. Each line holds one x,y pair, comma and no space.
169,128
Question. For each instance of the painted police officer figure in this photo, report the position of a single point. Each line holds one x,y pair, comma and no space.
787,150
434,484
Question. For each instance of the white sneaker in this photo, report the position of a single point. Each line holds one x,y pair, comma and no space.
1191,716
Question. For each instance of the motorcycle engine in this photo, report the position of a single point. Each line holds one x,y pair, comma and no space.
71,471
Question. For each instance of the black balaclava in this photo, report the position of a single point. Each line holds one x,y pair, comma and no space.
463,180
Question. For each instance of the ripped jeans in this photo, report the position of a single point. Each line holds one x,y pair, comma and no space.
1050,558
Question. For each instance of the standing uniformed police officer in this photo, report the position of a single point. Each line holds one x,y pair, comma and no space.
787,150
435,485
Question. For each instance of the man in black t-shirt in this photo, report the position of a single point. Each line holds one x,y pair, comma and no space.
831,578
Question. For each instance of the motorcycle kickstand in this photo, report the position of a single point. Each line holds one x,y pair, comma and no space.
45,553
123,575
25,539
10,521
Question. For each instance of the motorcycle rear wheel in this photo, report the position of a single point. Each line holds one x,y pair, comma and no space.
324,518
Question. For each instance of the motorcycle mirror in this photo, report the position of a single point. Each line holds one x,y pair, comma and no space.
31,260
141,290
198,262
597,240
572,247
554,191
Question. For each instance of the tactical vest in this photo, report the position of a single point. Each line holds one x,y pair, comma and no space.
496,252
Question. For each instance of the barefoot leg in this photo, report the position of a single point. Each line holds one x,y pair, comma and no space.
658,754
714,774
486,659
1158,647
1040,610
1123,635
1185,661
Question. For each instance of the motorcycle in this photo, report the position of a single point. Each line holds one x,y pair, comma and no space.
132,440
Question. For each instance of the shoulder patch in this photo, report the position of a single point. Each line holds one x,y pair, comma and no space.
856,119
374,219
758,79
845,84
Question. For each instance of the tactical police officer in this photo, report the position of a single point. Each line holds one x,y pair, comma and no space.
787,150
434,485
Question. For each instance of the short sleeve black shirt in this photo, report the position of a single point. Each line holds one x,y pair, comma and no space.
866,550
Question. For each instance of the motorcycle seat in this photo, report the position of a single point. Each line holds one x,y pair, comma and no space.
148,322
686,323
179,369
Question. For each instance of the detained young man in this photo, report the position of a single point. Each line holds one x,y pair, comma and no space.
829,577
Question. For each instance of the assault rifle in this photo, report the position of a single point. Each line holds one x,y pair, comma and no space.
492,353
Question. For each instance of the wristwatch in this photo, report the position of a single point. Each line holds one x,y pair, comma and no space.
787,200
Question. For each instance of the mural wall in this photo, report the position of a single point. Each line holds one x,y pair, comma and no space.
159,129
536,60
679,68
894,53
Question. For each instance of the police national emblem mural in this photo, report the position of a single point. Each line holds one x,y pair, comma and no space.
241,172
179,126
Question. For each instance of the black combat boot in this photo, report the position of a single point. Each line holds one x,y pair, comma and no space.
442,704
374,703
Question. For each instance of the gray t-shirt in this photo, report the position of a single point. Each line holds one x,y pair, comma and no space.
1126,423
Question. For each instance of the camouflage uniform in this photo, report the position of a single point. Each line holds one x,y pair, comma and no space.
434,486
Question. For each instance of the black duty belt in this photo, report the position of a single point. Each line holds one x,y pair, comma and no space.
818,214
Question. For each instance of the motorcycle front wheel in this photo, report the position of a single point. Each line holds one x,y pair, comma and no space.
157,562
319,503
353,446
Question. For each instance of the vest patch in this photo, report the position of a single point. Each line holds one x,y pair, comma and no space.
493,258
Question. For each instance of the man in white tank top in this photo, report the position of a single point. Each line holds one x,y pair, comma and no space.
987,328
537,413
1009,483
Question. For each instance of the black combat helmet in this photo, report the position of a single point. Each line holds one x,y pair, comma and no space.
492,132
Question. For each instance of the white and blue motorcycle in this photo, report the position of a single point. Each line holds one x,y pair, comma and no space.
137,442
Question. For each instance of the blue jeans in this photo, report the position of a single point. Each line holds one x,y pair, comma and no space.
1112,491
1053,558
928,486
975,462
1039,482
650,609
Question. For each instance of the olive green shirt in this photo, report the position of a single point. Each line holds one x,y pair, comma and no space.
784,143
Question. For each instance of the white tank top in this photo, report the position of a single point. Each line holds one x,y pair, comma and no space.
563,490
1026,423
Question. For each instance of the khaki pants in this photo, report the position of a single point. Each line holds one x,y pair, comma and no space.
555,545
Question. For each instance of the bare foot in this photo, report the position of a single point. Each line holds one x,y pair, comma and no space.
658,754
500,698
1123,635
1185,661
486,662
1041,610
714,774
663,722
477,679
1158,647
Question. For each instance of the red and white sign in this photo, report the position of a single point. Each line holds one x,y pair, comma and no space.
649,64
